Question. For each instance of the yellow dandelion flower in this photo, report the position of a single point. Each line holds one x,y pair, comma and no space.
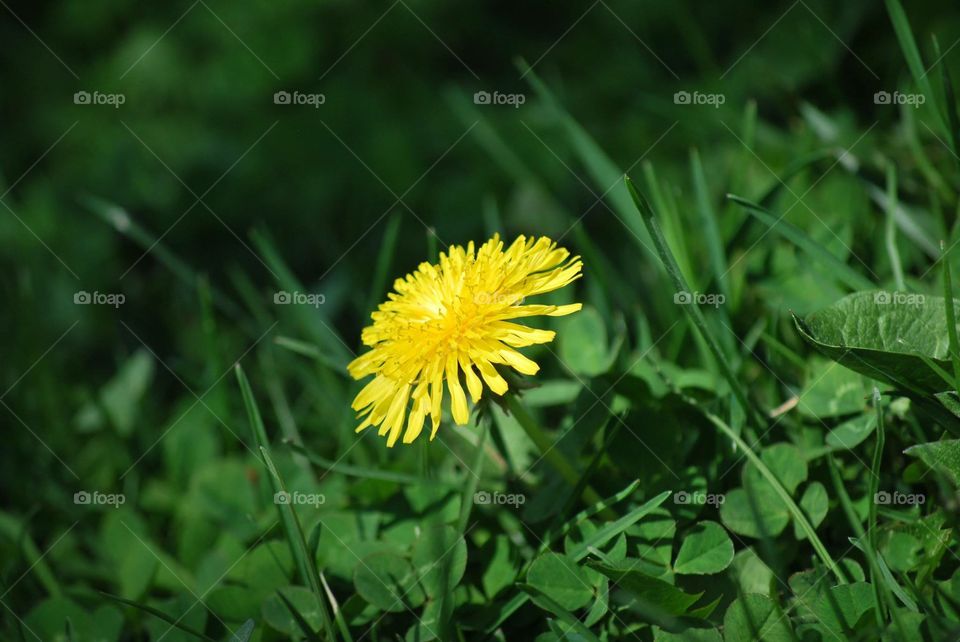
447,319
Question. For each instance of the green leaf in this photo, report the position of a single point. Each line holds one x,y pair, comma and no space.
122,394
852,432
750,572
757,512
814,503
561,579
785,461
687,635
388,582
841,607
291,610
831,391
886,336
705,550
653,594
439,545
756,618
583,343
817,252
941,455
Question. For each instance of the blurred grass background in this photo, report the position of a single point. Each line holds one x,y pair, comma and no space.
293,191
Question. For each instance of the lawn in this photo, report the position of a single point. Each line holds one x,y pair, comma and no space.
415,321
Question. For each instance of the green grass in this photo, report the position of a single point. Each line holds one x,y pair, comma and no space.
748,431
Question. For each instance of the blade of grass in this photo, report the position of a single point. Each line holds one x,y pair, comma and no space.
311,319
15,530
798,237
604,172
309,350
384,258
546,447
708,224
597,539
291,522
950,312
118,218
304,627
161,615
872,486
795,511
692,311
950,101
911,52
564,615
890,237
368,473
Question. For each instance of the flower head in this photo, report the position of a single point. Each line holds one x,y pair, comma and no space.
454,318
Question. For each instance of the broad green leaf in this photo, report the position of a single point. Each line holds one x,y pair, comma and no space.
439,547
900,550
121,395
756,618
886,336
942,455
814,503
704,551
750,572
387,581
278,616
831,391
501,570
561,579
757,512
852,432
785,461
841,607
653,594
583,343
48,621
